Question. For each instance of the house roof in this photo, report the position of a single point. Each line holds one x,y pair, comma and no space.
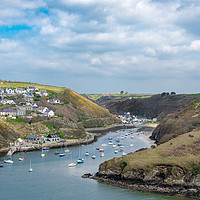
52,136
9,110
31,137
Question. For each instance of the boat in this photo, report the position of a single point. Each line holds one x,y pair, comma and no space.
117,140
110,138
120,149
86,154
8,160
1,165
67,150
97,148
132,137
116,151
61,154
102,154
114,145
56,153
131,145
123,154
80,160
42,154
30,168
101,150
119,144
110,143
46,148
93,156
104,145
72,164
21,159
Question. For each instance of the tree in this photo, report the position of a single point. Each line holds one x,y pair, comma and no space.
122,92
173,93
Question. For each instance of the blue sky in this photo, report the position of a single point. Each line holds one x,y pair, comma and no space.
139,46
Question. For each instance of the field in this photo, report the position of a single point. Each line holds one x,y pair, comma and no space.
13,84
96,96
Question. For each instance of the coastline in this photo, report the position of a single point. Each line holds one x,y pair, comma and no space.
96,132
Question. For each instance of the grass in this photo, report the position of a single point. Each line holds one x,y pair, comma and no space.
183,151
49,88
192,95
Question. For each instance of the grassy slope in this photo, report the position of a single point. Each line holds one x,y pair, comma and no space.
183,151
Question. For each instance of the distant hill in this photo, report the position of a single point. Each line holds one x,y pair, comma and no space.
155,106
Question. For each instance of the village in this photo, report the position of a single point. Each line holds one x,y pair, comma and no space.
27,108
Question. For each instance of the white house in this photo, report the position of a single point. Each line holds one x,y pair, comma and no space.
43,93
18,142
43,109
30,89
1,91
49,113
10,91
5,101
54,101
19,90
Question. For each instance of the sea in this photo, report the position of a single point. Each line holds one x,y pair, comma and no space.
52,179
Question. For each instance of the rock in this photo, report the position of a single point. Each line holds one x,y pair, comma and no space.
87,175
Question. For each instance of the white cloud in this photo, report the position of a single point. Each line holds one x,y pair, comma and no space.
195,45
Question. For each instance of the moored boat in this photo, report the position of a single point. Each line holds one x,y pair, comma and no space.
8,160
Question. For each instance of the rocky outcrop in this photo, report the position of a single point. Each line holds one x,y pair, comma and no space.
170,168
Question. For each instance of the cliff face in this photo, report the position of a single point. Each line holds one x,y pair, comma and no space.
171,168
155,106
181,121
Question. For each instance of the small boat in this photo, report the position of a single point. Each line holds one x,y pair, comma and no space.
97,148
120,149
30,169
110,143
80,160
110,138
123,154
116,151
9,161
117,140
131,145
119,144
1,165
86,154
72,164
93,156
42,154
104,145
67,150
114,145
101,150
61,155
132,137
46,148
56,153
21,159
102,154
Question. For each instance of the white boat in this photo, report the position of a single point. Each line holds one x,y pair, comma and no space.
30,168
104,145
72,164
116,151
102,154
93,156
101,150
114,145
80,160
8,160
67,150
86,153
132,137
21,159
61,154
131,145
110,143
123,154
42,154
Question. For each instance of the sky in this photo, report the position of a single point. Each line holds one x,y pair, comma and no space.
101,46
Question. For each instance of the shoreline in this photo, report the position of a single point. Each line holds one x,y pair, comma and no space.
96,132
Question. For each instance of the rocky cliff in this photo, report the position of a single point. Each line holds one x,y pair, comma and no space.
171,168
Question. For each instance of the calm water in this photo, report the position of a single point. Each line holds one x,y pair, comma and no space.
53,179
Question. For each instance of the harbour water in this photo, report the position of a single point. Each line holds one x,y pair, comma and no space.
52,179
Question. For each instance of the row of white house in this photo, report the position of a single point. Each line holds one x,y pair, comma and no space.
12,91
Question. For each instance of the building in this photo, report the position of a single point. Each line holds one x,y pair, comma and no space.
43,93
53,138
49,113
8,112
10,91
56,101
30,89
32,139
5,101
18,142
18,90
